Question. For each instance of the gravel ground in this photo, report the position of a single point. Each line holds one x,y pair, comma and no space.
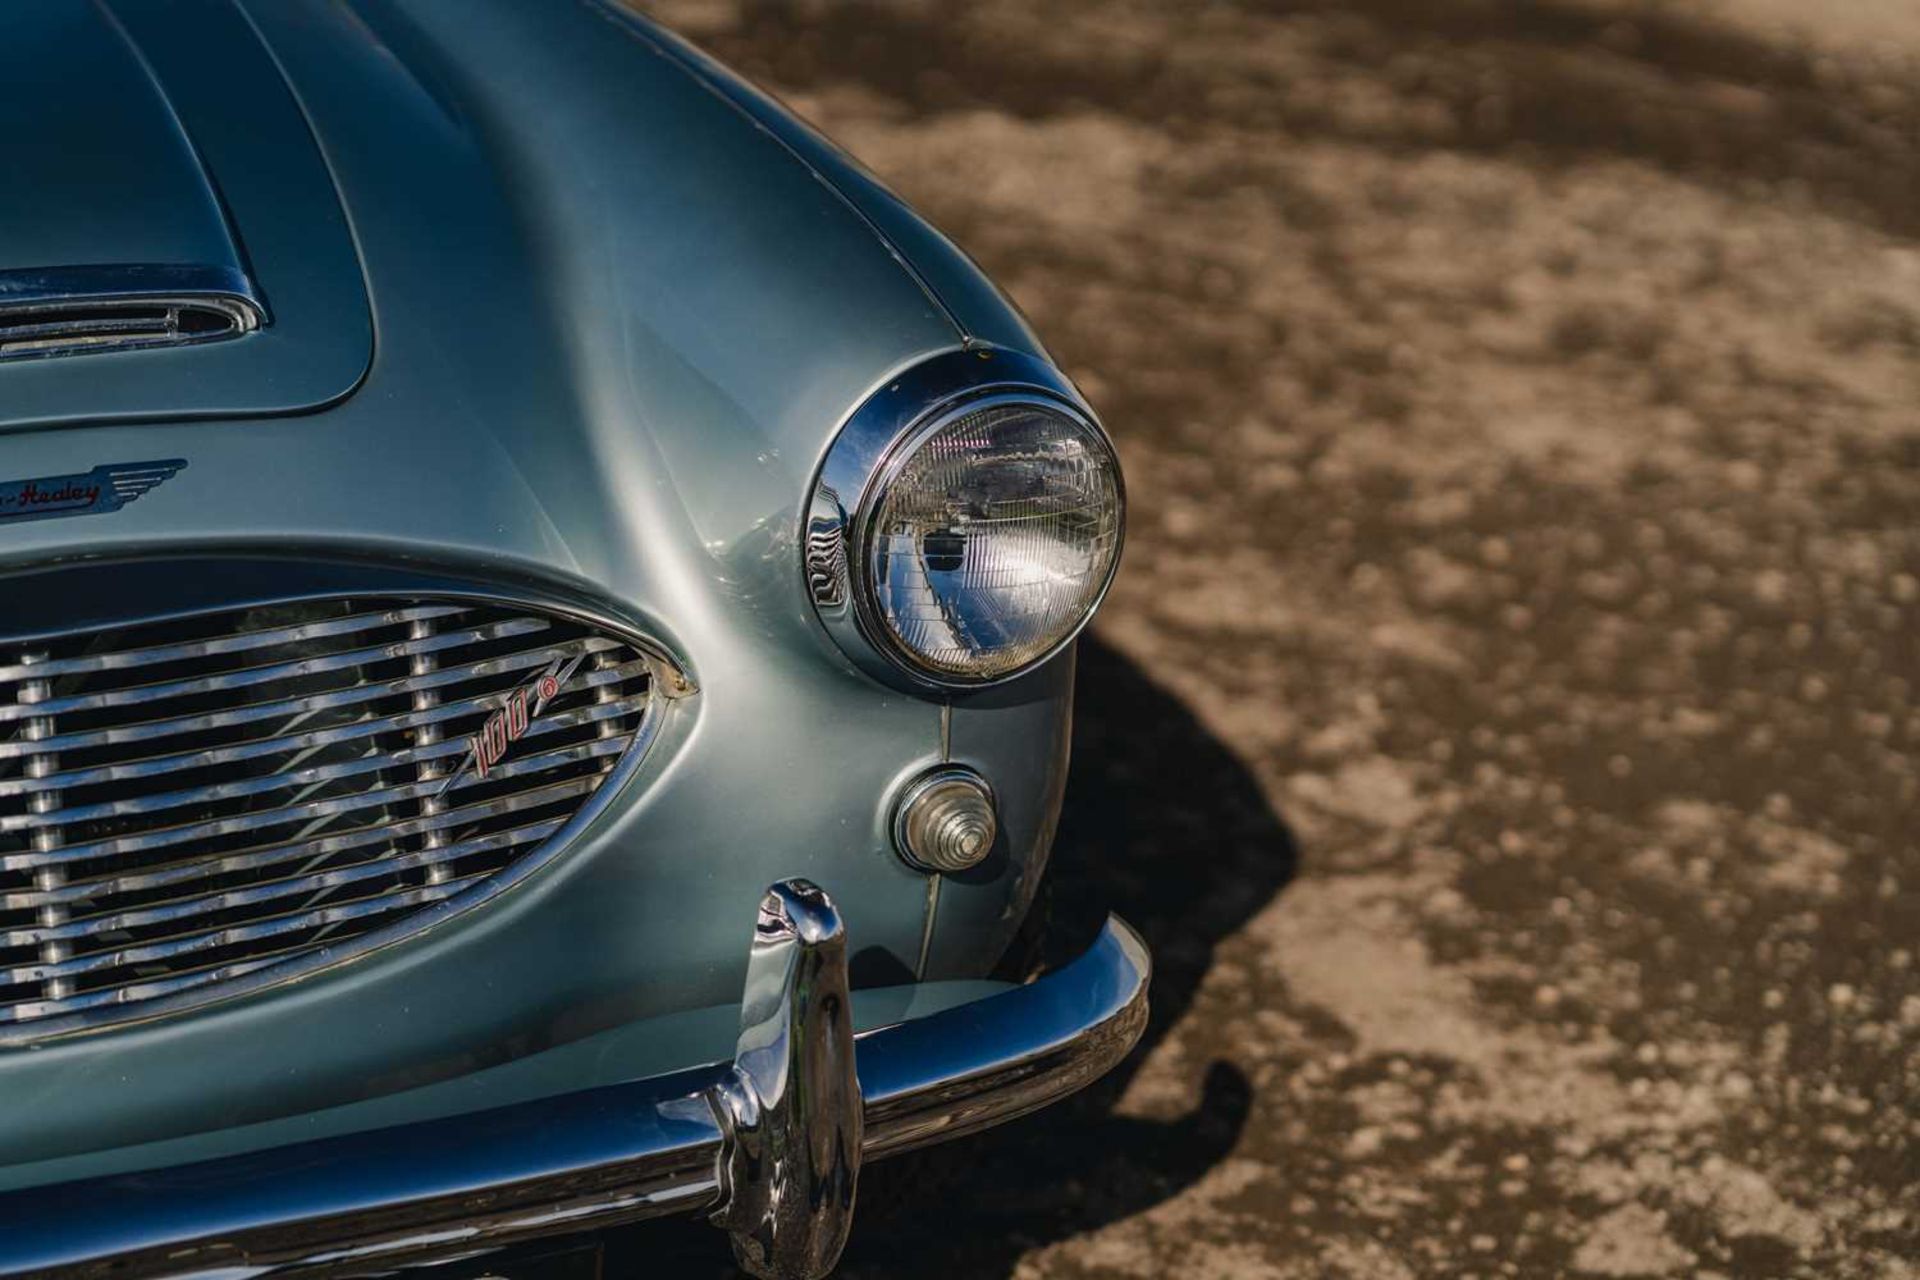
1506,724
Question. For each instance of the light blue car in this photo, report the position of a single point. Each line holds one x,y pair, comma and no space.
537,606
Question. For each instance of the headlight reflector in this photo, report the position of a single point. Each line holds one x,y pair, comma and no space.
989,536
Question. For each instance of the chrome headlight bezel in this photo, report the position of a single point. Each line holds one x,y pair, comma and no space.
869,451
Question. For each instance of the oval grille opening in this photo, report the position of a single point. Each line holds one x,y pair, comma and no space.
186,802
61,329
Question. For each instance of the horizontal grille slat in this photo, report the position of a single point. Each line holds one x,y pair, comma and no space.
205,940
121,660
266,891
192,800
260,857
247,676
135,992
305,811
152,730
280,745
300,777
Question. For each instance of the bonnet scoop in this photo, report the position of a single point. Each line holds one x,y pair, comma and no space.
171,243
111,234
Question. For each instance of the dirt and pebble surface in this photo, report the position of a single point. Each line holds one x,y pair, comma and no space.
1506,724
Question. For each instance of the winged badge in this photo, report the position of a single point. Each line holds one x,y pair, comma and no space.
97,492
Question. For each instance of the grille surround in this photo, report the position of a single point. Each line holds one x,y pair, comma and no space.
373,830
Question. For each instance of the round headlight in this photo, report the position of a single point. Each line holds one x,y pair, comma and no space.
965,523
989,536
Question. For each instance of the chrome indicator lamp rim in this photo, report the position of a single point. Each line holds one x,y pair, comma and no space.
922,788
871,447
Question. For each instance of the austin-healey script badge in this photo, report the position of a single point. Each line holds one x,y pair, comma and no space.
91,493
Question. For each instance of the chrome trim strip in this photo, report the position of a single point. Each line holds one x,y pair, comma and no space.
374,1201
32,287
928,915
873,442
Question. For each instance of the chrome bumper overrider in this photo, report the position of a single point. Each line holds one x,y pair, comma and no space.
770,1145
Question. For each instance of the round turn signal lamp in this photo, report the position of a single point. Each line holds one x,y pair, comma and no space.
945,821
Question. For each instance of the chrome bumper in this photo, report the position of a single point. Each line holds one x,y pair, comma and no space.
770,1145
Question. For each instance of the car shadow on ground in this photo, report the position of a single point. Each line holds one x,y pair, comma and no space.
1164,825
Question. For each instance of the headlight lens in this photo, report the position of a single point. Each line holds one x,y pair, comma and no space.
990,536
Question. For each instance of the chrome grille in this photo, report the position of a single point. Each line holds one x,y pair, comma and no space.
188,801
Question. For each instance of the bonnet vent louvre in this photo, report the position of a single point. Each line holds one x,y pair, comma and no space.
68,310
63,329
